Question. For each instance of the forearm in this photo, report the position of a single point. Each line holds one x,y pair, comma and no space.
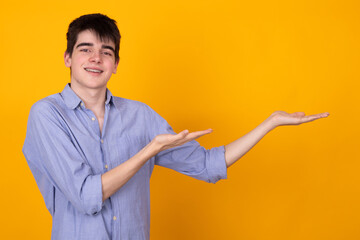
114,179
236,149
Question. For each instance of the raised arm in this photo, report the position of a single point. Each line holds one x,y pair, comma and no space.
238,148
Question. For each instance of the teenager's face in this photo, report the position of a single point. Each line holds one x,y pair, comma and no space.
92,62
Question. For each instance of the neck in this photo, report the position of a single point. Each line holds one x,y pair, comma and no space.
94,99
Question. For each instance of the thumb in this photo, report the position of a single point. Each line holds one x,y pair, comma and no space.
184,133
298,114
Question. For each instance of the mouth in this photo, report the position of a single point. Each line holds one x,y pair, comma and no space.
92,70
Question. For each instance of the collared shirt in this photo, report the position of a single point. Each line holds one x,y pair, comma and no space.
67,155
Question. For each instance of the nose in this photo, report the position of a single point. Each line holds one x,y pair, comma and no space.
95,57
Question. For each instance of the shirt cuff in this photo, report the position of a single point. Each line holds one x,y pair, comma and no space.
93,201
216,164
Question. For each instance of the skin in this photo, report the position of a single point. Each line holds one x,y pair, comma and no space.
90,52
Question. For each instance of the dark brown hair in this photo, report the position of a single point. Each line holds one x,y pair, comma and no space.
102,25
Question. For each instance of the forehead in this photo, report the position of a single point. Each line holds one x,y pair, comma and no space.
89,36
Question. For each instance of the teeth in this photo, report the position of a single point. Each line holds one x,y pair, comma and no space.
93,70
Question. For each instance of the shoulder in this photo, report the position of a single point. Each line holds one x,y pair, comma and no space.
48,107
136,108
125,104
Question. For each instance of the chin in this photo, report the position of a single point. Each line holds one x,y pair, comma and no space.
89,83
94,84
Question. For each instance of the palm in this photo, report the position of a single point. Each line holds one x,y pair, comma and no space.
167,141
296,118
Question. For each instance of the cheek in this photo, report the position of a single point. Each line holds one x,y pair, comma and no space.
77,62
110,66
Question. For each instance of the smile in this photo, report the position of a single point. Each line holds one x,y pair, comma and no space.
93,70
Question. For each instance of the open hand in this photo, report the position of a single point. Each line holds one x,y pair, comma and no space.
283,118
166,141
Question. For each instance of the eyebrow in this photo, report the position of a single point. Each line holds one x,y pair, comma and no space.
91,45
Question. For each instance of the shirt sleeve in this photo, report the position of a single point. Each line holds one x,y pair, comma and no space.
190,158
55,161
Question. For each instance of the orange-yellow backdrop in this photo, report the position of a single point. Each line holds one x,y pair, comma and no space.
225,65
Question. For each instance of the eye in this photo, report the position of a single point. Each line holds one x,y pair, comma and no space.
84,50
108,53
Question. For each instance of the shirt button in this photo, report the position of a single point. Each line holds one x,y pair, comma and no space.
114,218
106,166
93,118
102,141
82,104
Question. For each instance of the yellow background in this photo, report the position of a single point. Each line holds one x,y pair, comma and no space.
225,65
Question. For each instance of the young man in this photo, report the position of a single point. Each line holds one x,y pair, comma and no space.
92,154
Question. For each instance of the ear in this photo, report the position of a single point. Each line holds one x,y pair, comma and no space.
67,59
116,65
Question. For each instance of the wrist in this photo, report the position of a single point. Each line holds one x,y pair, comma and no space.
270,123
153,147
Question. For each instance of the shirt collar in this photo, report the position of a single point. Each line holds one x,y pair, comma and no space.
109,97
72,100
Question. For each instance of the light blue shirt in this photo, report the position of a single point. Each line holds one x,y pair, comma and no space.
67,156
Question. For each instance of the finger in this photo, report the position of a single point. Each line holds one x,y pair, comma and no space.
179,136
314,117
298,114
321,115
197,134
182,134
325,114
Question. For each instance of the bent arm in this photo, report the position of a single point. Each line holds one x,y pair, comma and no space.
114,179
57,164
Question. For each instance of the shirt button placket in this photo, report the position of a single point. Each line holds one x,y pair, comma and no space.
106,166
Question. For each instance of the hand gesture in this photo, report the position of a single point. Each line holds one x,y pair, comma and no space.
280,118
166,141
